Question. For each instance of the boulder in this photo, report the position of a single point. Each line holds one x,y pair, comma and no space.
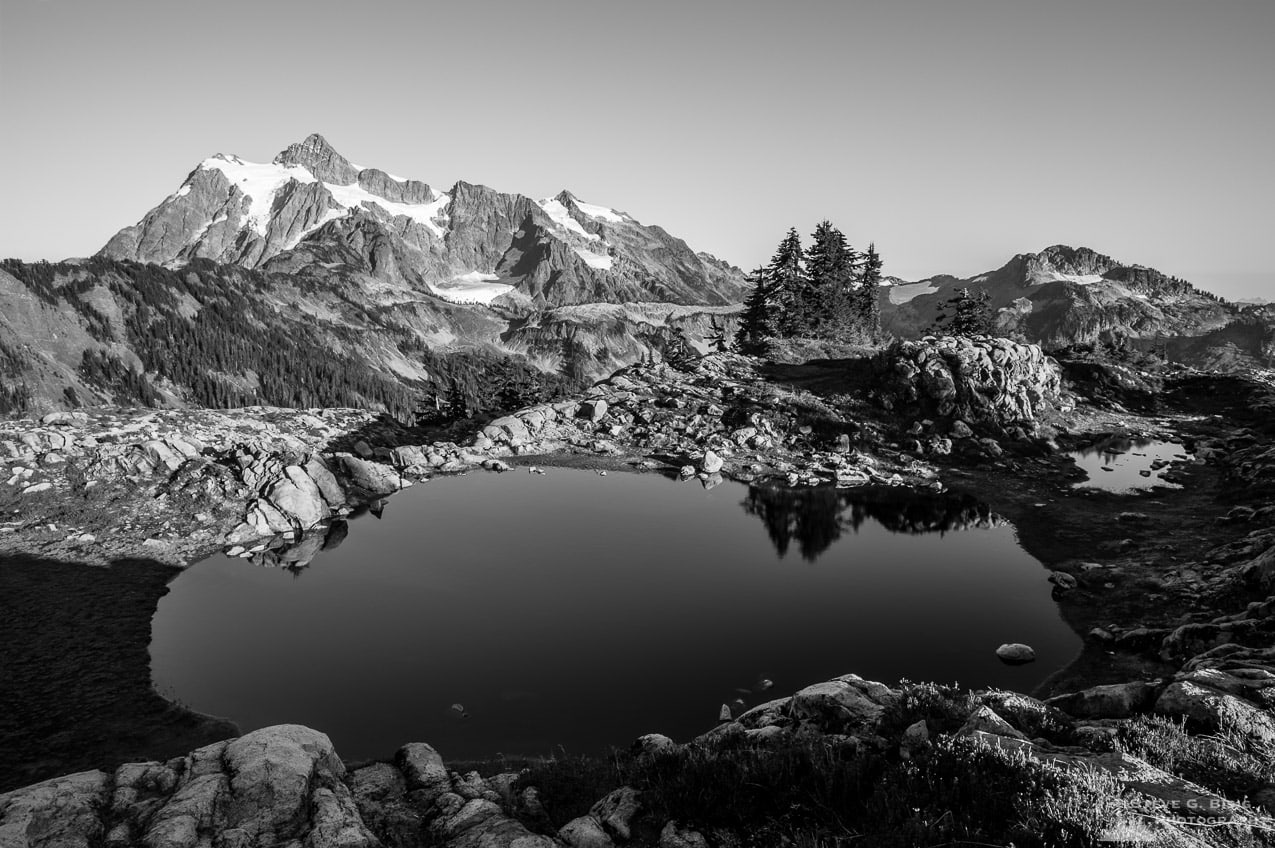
318,471
654,743
371,478
480,823
1113,700
594,409
297,495
673,836
985,720
982,382
58,813
1117,700
585,832
509,430
916,738
617,810
847,704
1213,710
1015,653
712,463
423,768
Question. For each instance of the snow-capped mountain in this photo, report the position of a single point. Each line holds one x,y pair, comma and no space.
311,210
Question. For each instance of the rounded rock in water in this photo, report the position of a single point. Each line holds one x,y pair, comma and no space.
1015,653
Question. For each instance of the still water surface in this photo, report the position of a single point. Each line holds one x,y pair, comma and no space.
1124,465
574,611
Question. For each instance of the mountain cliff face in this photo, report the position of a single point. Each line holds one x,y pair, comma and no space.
311,210
1065,296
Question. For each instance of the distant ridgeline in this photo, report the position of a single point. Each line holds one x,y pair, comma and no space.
205,335
1068,297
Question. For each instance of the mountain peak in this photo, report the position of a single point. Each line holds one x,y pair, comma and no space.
320,158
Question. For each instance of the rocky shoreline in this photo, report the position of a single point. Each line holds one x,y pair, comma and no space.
286,785
988,416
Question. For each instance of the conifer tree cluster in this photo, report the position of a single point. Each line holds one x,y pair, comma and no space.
965,313
827,291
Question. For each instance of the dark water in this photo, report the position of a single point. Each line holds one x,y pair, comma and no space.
1122,464
573,611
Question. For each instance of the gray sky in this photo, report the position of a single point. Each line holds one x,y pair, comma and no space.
955,133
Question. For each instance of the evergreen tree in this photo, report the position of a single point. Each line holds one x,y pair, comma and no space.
788,284
868,308
717,339
458,405
757,322
965,314
830,265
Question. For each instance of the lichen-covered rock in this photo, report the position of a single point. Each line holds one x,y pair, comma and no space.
1214,710
848,704
1115,700
58,813
423,767
269,787
985,383
369,477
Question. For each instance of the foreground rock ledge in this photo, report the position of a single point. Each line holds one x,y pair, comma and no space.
285,785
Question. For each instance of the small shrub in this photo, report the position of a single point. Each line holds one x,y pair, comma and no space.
944,707
569,786
1227,766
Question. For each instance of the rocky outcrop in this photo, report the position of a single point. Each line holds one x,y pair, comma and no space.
244,477
276,786
319,158
716,415
269,787
285,784
236,475
986,383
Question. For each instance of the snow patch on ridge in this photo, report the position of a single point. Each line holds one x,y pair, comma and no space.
604,212
601,261
259,182
562,217
908,291
354,196
471,287
1078,279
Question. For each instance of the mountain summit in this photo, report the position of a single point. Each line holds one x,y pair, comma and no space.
320,159
311,211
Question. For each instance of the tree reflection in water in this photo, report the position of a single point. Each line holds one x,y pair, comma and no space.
818,516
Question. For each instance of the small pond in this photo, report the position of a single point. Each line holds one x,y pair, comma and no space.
573,611
1123,464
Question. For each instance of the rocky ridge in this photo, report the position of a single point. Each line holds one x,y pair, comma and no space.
1065,296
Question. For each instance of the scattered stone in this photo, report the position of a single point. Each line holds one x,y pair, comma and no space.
1015,653
1064,581
916,738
